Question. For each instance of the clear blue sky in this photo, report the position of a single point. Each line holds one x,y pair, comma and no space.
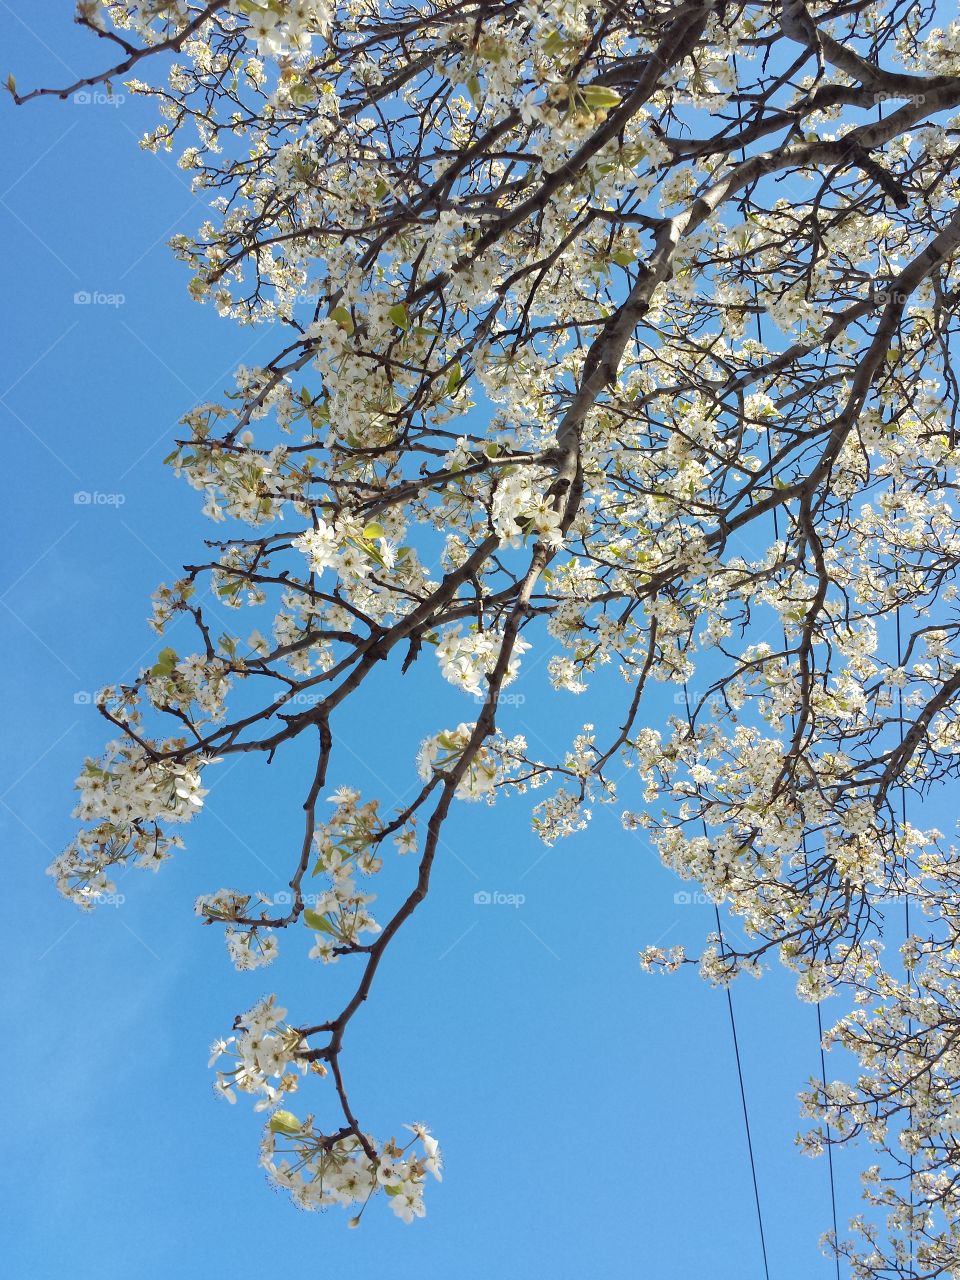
589,1115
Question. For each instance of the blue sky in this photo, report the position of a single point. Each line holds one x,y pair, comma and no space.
589,1115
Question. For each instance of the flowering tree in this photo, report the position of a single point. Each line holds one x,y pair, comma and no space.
623,332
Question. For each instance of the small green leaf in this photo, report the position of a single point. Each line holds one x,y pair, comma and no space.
343,318
398,314
599,98
319,923
373,530
455,378
284,1122
166,661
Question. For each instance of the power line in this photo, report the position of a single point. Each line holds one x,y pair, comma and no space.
833,1188
743,1101
736,1050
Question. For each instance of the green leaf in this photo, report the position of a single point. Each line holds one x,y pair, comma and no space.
284,1122
319,923
393,1191
373,530
398,314
599,98
166,661
343,318
456,377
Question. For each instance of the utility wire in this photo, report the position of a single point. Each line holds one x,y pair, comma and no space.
736,1050
746,1115
823,1063
833,1188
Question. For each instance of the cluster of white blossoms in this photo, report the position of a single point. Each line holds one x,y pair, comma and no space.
319,1171
128,784
348,843
519,508
466,659
266,1060
126,795
195,681
262,1059
249,947
284,28
443,752
351,548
